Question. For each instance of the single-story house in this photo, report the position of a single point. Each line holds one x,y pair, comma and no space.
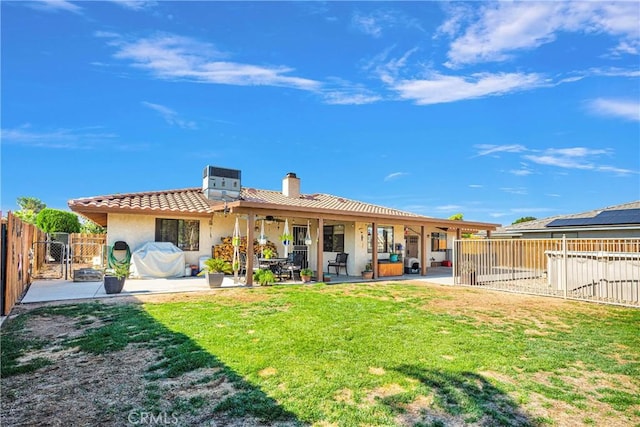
195,219
619,221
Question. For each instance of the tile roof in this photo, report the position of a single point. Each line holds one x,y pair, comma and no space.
322,202
540,224
183,200
191,201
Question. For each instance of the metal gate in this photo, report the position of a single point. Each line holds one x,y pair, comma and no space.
299,247
601,270
49,260
63,254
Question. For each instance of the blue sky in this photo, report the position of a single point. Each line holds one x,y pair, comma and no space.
493,110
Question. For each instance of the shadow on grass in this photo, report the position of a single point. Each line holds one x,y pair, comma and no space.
102,329
463,397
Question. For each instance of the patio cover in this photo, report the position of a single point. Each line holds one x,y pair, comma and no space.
157,260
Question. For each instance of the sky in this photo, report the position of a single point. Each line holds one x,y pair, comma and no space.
493,110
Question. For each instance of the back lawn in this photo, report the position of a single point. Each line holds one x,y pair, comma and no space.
384,354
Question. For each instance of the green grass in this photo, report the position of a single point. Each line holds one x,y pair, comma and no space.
374,355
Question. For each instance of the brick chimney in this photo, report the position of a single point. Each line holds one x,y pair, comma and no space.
291,185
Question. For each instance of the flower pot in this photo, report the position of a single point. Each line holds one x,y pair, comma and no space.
305,279
214,279
113,285
367,275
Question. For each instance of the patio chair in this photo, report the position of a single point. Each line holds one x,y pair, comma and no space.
338,263
293,264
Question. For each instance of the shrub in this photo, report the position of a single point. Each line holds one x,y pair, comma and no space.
57,221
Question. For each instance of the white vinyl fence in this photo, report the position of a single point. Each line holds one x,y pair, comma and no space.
602,270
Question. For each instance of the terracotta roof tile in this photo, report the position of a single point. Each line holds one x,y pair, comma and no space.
192,201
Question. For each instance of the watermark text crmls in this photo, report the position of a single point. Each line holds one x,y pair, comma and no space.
143,418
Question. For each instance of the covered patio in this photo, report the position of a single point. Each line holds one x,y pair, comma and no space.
369,232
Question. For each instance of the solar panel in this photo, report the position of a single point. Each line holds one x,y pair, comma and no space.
613,217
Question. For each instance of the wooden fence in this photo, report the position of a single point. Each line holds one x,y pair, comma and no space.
17,241
22,253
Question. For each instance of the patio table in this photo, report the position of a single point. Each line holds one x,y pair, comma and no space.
273,264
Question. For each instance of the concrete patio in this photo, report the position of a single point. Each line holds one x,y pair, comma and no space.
60,290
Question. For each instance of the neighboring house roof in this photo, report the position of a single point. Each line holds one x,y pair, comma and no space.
192,202
543,224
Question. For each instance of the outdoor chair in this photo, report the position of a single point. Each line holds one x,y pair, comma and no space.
293,265
338,263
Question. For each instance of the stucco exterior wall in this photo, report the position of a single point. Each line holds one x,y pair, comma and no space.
139,229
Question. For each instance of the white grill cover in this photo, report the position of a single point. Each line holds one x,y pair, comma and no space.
157,259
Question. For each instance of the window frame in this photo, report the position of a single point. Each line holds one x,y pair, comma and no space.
438,242
175,231
385,241
333,239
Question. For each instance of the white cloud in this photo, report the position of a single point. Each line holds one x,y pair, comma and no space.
85,138
521,172
374,23
449,208
440,88
485,149
54,6
367,24
476,186
515,190
347,98
497,30
625,109
395,175
577,158
135,4
497,214
170,116
175,57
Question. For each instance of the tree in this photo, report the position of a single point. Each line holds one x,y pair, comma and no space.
456,217
29,208
524,219
31,203
90,227
57,221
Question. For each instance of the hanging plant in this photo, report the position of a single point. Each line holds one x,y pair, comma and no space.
307,239
262,240
286,238
235,241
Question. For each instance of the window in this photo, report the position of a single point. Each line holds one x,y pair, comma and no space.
185,234
333,236
384,240
438,242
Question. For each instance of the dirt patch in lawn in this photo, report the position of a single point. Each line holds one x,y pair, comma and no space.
109,389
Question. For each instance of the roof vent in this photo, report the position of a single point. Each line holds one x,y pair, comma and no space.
220,183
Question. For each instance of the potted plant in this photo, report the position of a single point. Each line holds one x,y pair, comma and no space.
286,238
306,274
367,273
214,270
264,277
267,253
115,277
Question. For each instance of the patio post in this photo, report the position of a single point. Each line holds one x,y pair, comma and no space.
374,249
251,223
423,250
319,249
